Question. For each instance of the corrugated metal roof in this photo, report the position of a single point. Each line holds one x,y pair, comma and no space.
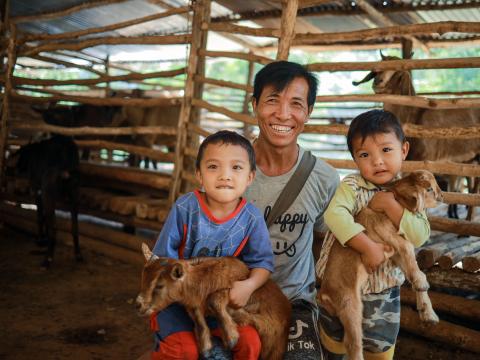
332,17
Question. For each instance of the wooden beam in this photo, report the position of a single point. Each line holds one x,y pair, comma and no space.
231,114
399,65
385,21
443,332
390,31
435,167
445,303
120,25
414,101
461,227
64,11
236,55
108,40
287,26
453,279
104,78
244,30
471,263
98,131
99,101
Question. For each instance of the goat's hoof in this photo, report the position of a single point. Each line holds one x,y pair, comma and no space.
206,353
429,317
46,264
232,343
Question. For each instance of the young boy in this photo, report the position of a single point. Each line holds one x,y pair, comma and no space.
377,144
215,222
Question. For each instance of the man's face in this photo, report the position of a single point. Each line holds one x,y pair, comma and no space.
282,115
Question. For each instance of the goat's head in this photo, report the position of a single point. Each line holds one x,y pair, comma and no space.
389,81
161,283
417,191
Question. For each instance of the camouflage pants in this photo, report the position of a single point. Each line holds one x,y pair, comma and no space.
380,323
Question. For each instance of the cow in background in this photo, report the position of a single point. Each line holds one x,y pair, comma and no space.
51,166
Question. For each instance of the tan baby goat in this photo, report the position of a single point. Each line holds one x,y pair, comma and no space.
340,292
202,286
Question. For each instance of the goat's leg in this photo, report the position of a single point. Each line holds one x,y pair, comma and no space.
49,211
350,313
73,198
218,303
41,235
201,330
406,260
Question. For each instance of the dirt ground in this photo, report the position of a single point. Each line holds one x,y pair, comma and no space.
86,311
72,311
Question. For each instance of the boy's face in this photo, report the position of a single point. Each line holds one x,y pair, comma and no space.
282,115
224,173
379,157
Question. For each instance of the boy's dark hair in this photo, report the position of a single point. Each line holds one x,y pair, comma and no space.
230,138
371,123
280,74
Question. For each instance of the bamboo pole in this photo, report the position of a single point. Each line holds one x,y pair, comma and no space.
101,79
444,332
102,29
108,40
11,59
454,305
390,31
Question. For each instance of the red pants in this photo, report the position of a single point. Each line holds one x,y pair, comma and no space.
182,345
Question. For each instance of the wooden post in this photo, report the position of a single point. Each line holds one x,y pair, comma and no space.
287,26
247,129
106,65
201,8
11,58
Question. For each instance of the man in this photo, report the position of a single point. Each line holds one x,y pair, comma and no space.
283,98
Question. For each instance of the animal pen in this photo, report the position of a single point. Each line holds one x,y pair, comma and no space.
140,198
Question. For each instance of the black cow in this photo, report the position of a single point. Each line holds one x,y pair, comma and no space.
52,168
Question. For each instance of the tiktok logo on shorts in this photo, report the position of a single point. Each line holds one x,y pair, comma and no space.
294,341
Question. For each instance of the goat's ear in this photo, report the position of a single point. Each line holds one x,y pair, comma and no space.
147,253
414,200
177,271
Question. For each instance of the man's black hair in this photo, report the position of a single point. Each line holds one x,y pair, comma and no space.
229,138
374,122
279,74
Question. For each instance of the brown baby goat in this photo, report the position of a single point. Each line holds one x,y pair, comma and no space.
202,286
340,291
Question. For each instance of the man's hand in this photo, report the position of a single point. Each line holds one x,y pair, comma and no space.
240,293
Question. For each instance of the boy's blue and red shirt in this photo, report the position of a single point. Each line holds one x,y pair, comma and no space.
191,230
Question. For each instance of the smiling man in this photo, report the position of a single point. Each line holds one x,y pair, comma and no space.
283,98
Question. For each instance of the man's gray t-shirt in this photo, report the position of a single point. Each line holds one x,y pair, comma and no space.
291,234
